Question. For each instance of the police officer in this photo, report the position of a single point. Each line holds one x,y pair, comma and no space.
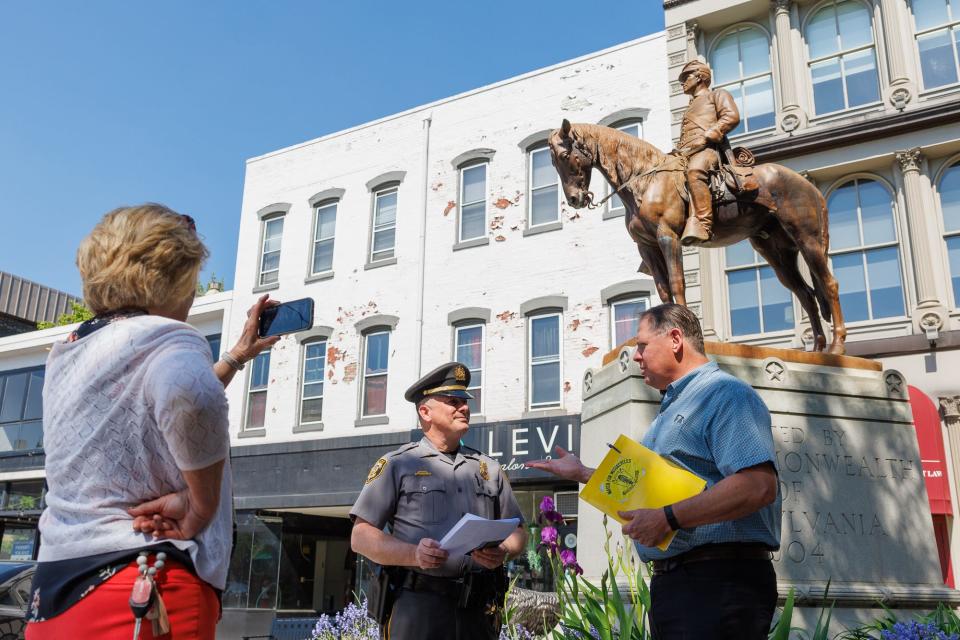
421,490
712,114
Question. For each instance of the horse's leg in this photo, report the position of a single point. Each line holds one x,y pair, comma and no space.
672,252
815,255
781,252
658,268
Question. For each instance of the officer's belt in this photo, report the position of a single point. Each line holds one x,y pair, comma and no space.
722,551
450,587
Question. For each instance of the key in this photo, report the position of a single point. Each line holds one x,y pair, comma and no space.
141,599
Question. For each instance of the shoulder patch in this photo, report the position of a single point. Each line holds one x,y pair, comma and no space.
376,470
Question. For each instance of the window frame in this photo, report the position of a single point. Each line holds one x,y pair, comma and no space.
952,164
742,80
538,315
473,324
374,331
306,344
624,299
314,242
758,264
22,419
461,203
264,223
246,429
377,193
531,152
614,211
840,54
864,249
950,26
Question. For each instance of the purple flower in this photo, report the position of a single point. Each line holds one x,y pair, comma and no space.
547,504
569,560
552,516
548,536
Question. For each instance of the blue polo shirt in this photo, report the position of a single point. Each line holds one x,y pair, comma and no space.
715,425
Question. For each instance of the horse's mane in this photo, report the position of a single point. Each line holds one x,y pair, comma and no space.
637,147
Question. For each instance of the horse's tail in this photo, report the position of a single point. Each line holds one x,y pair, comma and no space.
822,217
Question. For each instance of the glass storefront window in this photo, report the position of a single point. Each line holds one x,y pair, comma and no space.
24,496
18,543
252,581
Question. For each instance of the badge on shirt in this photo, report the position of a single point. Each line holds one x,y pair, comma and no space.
484,473
423,473
376,470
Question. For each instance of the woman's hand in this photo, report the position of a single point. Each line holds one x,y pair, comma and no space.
250,343
171,516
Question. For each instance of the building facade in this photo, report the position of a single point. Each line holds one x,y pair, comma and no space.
24,303
863,98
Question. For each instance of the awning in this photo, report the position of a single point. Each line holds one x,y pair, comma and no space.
926,418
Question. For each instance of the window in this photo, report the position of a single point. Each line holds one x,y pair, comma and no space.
544,189
864,251
950,204
633,129
21,410
473,205
758,302
270,251
214,342
253,576
741,65
544,359
625,319
469,351
843,61
377,352
257,393
311,397
325,225
384,224
937,26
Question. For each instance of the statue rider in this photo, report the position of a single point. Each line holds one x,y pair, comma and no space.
712,114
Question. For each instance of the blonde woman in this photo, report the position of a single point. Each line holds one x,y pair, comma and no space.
136,440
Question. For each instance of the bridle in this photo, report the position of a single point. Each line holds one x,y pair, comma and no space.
587,159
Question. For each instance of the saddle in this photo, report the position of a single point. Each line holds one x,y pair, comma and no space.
735,178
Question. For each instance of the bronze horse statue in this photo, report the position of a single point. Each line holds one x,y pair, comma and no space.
785,218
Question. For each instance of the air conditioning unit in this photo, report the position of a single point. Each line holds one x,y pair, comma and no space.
566,502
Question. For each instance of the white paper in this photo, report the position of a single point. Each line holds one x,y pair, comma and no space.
473,531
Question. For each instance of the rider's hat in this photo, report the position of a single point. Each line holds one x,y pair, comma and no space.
696,66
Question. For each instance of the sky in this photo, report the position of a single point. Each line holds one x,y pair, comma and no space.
110,103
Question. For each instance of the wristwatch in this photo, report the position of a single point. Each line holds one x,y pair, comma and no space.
671,519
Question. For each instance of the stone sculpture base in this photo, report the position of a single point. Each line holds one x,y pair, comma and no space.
855,510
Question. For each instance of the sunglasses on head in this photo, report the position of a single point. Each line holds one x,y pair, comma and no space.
189,222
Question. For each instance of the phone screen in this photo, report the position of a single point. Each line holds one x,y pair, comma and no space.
296,315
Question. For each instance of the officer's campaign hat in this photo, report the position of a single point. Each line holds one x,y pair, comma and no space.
696,65
451,379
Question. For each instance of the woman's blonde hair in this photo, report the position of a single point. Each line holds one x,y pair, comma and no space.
147,256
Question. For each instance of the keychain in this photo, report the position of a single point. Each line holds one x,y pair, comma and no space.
145,600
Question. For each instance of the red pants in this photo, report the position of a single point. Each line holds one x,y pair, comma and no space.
105,614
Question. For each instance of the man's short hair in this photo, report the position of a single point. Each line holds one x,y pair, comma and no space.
667,316
144,256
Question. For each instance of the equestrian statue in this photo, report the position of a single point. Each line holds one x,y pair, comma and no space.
705,193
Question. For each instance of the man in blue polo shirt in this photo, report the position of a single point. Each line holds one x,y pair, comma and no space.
716,580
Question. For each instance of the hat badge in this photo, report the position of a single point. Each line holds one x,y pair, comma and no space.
460,374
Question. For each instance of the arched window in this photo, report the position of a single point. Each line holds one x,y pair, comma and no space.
865,251
843,59
950,204
741,64
937,27
758,302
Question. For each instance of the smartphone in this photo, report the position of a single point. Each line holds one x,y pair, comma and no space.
289,317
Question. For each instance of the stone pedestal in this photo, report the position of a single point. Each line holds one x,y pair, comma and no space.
855,510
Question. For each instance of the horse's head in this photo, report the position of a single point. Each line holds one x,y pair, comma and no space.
574,163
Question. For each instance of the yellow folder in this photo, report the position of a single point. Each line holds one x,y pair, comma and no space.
632,476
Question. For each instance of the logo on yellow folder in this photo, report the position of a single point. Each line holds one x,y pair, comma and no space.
622,479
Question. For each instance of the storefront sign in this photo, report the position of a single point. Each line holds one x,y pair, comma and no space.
22,550
515,442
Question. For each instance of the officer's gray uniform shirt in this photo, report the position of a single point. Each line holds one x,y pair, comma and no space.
421,493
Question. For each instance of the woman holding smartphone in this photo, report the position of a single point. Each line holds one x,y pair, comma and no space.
136,440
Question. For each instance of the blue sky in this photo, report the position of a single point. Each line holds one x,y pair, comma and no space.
110,103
